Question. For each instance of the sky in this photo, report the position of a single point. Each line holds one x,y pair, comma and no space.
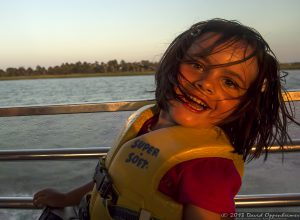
52,32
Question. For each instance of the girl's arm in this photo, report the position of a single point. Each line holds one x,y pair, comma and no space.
53,198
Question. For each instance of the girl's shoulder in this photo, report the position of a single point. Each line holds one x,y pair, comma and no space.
210,183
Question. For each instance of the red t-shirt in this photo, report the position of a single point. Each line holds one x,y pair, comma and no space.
209,183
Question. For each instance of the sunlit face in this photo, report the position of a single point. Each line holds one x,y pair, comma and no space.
211,93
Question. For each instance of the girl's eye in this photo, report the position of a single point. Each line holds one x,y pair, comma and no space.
231,84
198,66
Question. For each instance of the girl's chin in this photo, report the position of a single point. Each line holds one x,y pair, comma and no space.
193,123
185,118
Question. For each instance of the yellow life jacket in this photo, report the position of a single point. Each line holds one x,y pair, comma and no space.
137,164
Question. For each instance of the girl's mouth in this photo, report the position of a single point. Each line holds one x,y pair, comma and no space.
193,103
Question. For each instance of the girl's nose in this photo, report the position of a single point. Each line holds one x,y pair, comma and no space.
205,85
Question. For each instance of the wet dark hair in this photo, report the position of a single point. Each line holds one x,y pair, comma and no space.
261,118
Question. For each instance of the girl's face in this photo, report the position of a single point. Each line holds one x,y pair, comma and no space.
211,94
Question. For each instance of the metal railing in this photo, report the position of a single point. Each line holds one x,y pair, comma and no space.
52,154
73,108
267,200
241,201
90,153
93,107
244,201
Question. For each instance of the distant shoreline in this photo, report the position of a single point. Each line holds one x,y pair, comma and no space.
290,66
283,66
77,75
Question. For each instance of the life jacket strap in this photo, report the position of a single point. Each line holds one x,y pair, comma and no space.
121,213
104,183
109,195
83,208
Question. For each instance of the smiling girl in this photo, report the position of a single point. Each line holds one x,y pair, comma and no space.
218,94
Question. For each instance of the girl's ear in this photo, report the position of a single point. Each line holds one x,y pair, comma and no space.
264,85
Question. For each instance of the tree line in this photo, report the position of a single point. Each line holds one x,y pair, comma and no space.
290,66
112,66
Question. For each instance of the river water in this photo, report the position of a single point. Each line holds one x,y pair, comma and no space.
98,130
83,90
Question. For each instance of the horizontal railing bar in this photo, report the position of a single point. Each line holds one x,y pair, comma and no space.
292,95
87,153
53,154
289,148
92,107
241,201
17,203
267,200
73,108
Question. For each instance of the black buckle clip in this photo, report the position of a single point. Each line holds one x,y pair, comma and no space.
103,181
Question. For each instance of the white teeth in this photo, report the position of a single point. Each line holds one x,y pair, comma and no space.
197,101
197,105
